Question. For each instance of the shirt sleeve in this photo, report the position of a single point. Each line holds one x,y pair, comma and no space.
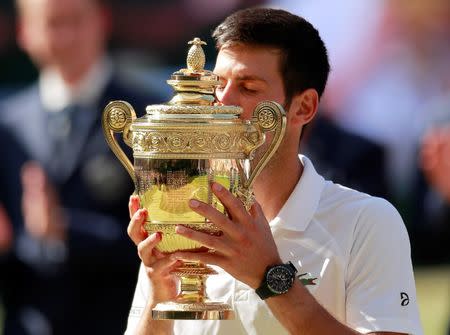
140,299
381,293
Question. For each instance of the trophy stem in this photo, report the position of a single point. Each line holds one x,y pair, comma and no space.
192,289
192,302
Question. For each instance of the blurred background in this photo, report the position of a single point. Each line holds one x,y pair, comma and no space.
384,123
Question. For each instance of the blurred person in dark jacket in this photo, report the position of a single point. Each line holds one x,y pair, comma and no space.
431,227
435,164
345,157
70,267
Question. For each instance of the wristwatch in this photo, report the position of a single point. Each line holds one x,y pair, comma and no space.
277,280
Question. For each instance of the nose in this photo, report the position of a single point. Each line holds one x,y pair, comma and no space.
228,95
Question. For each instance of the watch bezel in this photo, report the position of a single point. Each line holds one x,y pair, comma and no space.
284,284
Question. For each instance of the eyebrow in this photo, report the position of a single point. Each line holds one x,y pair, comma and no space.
244,77
248,77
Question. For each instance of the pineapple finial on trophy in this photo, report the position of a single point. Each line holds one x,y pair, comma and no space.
196,57
194,85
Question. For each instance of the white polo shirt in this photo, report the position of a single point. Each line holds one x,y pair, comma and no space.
357,247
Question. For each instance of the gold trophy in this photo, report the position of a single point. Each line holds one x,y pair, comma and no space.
179,149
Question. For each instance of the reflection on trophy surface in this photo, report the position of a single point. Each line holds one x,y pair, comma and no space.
179,149
164,186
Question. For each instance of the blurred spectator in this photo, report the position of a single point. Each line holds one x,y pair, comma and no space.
434,205
71,266
431,225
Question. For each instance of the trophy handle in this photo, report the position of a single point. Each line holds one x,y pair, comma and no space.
117,118
270,117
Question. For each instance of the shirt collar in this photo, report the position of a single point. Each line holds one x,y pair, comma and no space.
301,205
56,94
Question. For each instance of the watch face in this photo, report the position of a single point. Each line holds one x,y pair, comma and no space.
279,279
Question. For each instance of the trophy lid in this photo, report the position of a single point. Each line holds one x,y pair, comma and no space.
194,89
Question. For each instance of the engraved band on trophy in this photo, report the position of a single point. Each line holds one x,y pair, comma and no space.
179,149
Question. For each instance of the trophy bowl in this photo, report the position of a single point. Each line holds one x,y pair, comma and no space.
179,149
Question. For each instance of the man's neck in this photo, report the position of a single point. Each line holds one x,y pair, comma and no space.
273,188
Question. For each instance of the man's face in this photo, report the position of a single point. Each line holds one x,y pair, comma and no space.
62,33
249,75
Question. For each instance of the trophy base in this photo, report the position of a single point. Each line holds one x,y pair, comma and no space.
192,311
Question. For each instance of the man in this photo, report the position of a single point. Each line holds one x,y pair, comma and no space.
431,225
354,246
69,267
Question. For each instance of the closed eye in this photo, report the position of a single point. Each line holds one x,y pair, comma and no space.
248,90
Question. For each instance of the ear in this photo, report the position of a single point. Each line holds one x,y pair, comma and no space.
303,107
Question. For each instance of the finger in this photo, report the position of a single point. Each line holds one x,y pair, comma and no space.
158,254
257,213
207,240
133,205
217,218
134,229
163,266
146,247
234,206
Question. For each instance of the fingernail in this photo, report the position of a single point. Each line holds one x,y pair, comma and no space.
156,236
194,203
180,229
217,187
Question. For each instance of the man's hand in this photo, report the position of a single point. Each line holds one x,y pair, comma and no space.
157,265
40,205
435,160
6,231
245,248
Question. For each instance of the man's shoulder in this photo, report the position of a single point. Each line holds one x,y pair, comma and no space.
12,105
356,219
357,206
18,96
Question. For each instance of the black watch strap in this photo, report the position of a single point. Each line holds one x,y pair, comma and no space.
264,291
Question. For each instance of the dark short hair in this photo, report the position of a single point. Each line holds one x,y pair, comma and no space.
304,61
